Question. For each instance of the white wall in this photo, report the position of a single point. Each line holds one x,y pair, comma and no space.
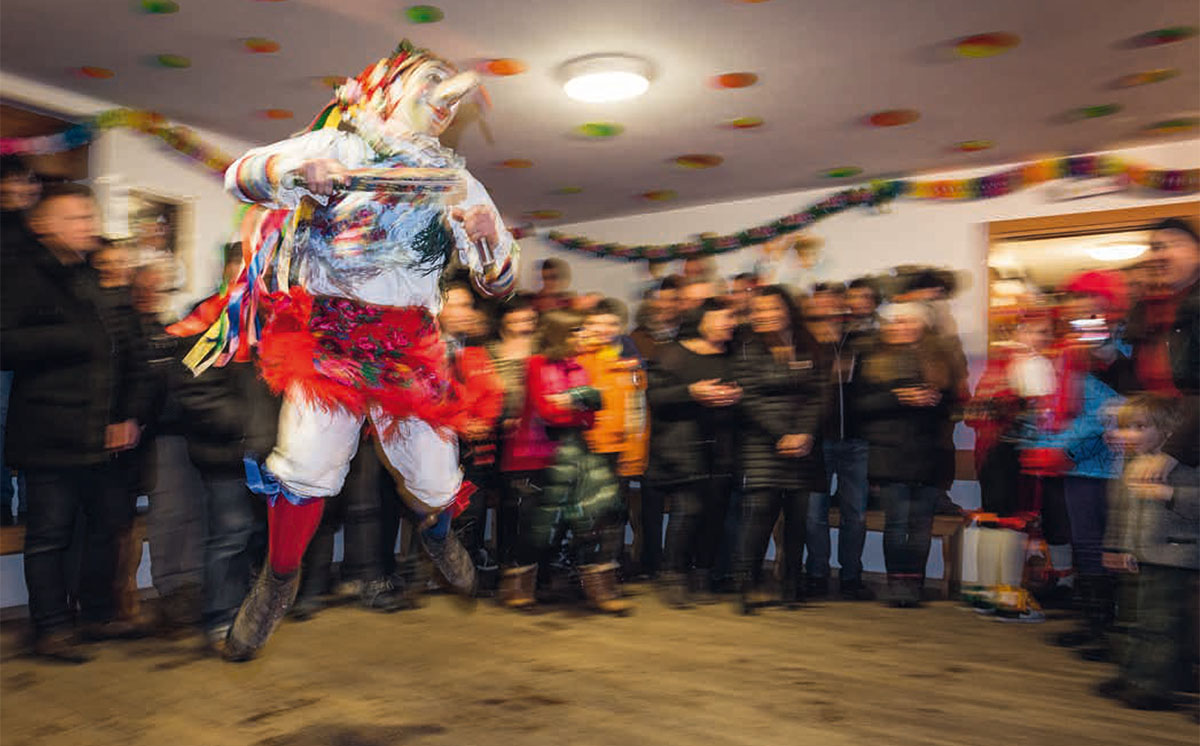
124,159
951,234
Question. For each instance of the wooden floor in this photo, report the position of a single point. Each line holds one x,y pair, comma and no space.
835,673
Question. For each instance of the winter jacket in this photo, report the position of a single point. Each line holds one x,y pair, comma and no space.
1082,439
68,384
905,442
620,424
532,447
1158,532
688,441
843,362
225,414
779,398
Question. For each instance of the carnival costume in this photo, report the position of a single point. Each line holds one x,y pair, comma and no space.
348,289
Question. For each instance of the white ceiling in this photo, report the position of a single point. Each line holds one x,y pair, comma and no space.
823,66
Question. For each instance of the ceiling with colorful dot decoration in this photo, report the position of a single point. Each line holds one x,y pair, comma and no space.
747,97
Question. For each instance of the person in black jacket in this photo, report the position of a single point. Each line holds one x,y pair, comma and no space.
692,454
908,382
225,414
70,414
783,398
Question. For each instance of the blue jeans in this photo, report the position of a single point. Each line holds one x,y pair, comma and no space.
908,526
847,459
175,523
232,522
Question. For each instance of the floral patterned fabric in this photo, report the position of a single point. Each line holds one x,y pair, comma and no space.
342,352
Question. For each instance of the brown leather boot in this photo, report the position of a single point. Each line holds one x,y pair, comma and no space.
516,587
600,587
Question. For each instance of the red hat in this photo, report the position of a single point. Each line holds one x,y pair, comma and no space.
1105,284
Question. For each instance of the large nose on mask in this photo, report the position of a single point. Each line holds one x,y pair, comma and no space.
452,90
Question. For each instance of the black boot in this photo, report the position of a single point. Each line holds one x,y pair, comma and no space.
673,588
1095,599
261,612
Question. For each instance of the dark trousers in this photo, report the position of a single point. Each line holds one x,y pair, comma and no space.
233,518
1087,507
1160,646
999,480
651,551
518,492
471,524
761,508
908,526
56,498
356,509
697,524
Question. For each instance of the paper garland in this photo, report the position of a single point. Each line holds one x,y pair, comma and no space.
881,192
176,137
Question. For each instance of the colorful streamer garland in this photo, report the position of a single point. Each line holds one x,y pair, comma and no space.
176,137
881,192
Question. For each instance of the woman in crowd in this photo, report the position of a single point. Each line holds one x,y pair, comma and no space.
691,397
782,401
906,382
510,353
578,487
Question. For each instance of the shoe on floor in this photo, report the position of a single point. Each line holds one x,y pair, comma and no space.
856,591
61,647
382,595
453,562
115,629
264,607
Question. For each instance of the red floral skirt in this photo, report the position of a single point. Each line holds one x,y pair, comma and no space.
342,352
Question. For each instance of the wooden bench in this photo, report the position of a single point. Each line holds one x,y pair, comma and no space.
948,528
12,538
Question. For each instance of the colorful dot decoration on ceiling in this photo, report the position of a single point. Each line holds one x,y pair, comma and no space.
659,195
544,214
330,81
734,80
173,61
276,114
423,14
698,160
1145,78
566,191
841,172
986,45
972,146
1172,126
516,163
599,130
96,73
893,117
1092,112
743,123
1161,36
501,67
160,7
261,45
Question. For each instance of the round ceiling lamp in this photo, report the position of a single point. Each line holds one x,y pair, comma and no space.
601,78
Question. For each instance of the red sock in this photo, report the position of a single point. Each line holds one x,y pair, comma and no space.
289,529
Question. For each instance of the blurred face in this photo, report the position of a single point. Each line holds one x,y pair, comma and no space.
112,264
426,99
602,328
521,323
69,223
1140,435
860,301
554,281
458,312
1175,258
693,268
739,296
823,314
1037,334
667,305
902,330
694,295
19,192
577,340
717,326
768,314
147,291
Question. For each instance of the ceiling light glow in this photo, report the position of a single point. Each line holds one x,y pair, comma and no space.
1116,252
601,78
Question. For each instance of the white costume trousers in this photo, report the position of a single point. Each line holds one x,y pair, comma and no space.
316,444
